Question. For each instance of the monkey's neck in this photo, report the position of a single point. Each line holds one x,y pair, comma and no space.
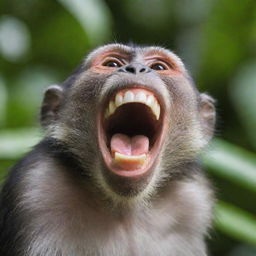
59,151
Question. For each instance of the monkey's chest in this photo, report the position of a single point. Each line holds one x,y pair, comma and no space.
133,238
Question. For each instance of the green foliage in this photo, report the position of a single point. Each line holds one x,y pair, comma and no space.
232,163
235,222
93,15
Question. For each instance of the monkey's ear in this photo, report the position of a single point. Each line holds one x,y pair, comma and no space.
207,114
51,103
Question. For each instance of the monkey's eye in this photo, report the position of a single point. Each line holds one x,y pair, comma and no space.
112,63
159,66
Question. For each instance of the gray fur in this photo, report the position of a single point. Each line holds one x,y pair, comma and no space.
64,213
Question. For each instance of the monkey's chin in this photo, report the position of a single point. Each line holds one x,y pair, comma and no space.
131,128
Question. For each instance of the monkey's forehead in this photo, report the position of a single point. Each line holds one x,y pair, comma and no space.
134,51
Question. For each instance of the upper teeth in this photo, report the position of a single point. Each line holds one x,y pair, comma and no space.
128,97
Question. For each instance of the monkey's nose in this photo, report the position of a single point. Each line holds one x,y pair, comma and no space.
135,68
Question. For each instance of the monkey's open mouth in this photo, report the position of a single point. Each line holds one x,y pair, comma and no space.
130,131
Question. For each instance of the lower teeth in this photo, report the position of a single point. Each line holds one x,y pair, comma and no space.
129,161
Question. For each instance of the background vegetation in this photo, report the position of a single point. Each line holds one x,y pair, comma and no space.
41,42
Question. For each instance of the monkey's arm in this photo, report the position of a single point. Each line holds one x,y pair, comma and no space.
10,218
12,225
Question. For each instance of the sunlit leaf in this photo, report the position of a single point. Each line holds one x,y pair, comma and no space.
15,143
14,38
232,163
27,95
235,222
243,94
93,15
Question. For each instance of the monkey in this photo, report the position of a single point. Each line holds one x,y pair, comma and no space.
118,170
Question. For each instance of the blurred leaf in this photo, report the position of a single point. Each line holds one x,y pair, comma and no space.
27,95
59,42
156,11
232,163
15,143
243,94
235,222
225,36
3,101
244,250
5,165
93,15
14,38
193,11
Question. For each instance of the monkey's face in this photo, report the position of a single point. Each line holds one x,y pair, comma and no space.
133,117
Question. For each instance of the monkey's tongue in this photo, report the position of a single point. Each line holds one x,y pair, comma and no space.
131,146
129,152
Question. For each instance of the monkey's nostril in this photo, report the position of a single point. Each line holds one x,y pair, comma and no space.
130,69
134,68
